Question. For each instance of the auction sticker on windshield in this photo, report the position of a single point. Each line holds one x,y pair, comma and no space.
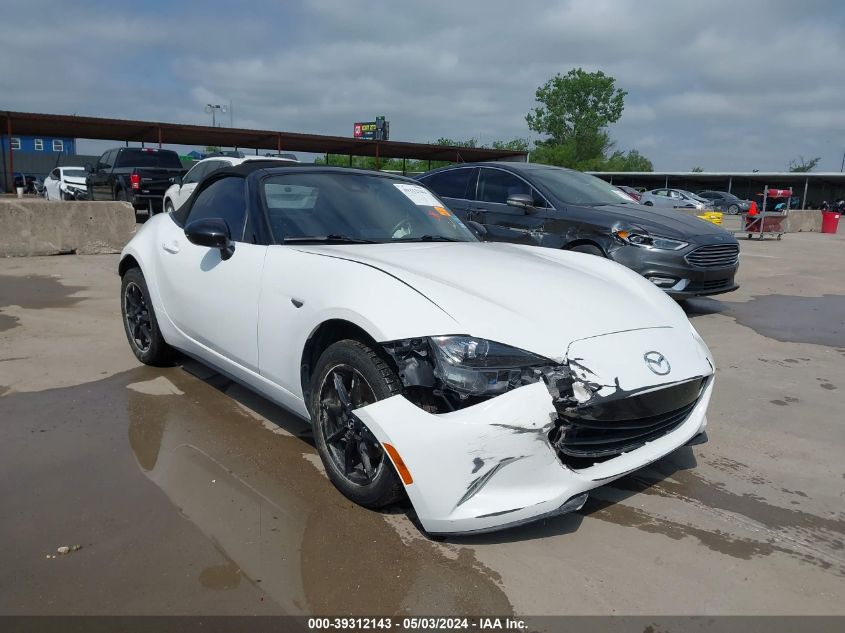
418,195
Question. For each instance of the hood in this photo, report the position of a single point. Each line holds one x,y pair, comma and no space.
665,222
537,299
71,180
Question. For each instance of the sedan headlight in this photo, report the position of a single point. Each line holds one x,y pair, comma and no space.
475,367
641,238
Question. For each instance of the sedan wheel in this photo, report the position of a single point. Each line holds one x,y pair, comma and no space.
648,203
733,209
350,375
168,207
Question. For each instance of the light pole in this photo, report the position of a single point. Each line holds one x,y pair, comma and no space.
213,109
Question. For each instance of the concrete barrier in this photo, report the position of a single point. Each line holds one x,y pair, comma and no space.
38,227
798,220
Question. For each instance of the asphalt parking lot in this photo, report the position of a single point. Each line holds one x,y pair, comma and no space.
189,495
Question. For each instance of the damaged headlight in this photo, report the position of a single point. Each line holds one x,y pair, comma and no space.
641,238
475,367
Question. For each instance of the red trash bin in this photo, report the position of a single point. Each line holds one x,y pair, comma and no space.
830,221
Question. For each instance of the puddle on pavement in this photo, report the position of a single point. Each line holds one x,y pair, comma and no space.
785,318
810,538
34,292
280,523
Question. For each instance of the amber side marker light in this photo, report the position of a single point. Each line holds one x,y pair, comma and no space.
401,468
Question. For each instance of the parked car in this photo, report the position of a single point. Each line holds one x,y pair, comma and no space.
138,175
66,183
27,181
183,186
725,202
675,198
485,381
627,197
560,208
634,193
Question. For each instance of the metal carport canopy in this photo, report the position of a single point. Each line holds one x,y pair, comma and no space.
33,124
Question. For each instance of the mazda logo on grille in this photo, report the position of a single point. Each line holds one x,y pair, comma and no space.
657,363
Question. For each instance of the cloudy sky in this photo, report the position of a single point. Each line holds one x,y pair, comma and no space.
724,85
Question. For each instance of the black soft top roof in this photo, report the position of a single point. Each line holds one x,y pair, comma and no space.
275,166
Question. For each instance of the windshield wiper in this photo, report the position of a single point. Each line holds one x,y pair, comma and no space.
426,238
328,239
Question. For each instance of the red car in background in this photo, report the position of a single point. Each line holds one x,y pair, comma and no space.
631,192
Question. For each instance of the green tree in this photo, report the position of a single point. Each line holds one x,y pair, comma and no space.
470,142
575,110
630,161
516,144
210,149
802,166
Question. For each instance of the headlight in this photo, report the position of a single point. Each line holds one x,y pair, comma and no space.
473,366
650,241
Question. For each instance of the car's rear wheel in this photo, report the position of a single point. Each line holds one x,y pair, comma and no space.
648,203
139,320
587,248
733,209
350,375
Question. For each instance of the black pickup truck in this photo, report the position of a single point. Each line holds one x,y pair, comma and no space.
138,175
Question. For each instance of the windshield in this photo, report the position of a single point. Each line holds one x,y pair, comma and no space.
148,158
692,196
357,208
574,187
74,173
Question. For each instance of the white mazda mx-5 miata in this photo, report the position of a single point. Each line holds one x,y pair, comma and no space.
495,384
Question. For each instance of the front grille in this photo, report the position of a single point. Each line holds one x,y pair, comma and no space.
710,284
714,256
593,434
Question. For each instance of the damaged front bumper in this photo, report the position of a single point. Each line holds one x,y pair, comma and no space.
492,465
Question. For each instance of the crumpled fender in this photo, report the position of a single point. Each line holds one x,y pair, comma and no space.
480,467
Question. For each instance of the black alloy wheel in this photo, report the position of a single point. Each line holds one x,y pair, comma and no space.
139,321
354,450
350,375
137,316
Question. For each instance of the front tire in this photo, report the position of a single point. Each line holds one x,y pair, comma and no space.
168,207
648,203
348,375
733,209
139,320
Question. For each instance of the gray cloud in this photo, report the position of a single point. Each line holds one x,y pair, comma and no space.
721,84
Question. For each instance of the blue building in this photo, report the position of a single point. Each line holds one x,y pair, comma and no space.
39,145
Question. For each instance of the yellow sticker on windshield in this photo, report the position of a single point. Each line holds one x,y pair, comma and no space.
442,211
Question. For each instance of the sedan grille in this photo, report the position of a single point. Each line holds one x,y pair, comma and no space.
709,285
596,433
714,256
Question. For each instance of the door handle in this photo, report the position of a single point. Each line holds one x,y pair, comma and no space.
172,247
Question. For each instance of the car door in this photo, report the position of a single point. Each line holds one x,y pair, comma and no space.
455,187
212,301
51,185
98,180
505,223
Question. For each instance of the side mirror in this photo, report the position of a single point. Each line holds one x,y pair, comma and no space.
522,201
89,167
476,227
176,180
211,232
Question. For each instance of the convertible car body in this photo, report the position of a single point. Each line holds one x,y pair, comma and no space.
493,383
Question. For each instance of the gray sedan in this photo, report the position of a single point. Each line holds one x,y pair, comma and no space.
725,202
677,198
